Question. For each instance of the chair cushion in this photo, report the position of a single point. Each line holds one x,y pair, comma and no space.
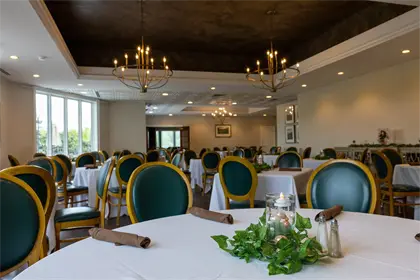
245,204
401,188
71,188
117,189
76,214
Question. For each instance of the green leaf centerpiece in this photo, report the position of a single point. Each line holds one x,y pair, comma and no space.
286,254
261,167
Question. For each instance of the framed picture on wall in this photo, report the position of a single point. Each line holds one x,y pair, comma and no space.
290,134
289,114
297,133
223,131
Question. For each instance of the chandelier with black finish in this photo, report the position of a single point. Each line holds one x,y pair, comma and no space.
276,75
145,73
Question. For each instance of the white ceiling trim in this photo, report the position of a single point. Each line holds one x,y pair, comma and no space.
49,23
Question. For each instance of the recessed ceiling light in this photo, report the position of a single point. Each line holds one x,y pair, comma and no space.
165,94
234,103
35,75
14,57
80,85
234,115
268,96
304,85
83,92
150,112
155,108
203,115
212,88
340,73
170,115
405,51
265,115
190,102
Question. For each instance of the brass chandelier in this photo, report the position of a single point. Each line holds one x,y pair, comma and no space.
276,75
144,74
221,114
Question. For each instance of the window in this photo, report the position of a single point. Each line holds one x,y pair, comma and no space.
168,138
65,125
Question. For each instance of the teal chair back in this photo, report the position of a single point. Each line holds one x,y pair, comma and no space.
248,153
291,149
125,167
188,155
330,152
116,154
45,163
307,152
67,162
289,160
382,164
273,150
152,156
157,190
84,159
141,155
163,152
96,155
211,160
105,153
61,173
176,159
394,156
203,150
104,177
236,176
239,153
124,153
344,182
22,224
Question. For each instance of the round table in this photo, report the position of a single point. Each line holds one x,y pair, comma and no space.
374,247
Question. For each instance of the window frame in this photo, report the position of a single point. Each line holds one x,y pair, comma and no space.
94,122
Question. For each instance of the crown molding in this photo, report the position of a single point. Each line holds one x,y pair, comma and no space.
49,24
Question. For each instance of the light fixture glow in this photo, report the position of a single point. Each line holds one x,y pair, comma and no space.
304,85
212,88
268,96
80,85
150,112
35,75
190,102
14,57
170,115
340,73
155,108
234,103
203,115
265,115
234,115
165,94
83,92
405,51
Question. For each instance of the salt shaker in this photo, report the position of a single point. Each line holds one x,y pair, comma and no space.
322,235
334,245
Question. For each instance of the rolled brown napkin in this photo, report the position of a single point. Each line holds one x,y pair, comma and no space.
119,238
290,169
330,212
210,215
90,166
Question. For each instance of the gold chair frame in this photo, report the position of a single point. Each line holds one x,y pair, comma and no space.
82,155
54,175
206,176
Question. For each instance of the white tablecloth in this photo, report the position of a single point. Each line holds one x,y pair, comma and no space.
196,170
313,163
374,247
270,159
88,177
405,174
288,182
222,154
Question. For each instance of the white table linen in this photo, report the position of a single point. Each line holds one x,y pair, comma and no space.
313,163
89,177
374,247
270,159
274,181
222,154
196,170
405,174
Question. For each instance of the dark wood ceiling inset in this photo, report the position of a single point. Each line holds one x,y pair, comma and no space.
218,36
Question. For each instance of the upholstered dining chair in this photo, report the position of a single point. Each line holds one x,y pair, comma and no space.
394,156
101,157
330,152
125,167
273,150
239,182
247,153
163,152
116,154
216,149
152,156
176,160
307,152
393,195
124,153
225,149
142,155
239,153
19,247
344,182
84,216
105,153
39,155
289,159
13,161
291,149
69,165
83,159
96,155
67,191
210,162
202,152
188,155
42,183
148,198
46,163
174,152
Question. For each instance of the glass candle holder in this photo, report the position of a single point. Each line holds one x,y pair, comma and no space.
280,214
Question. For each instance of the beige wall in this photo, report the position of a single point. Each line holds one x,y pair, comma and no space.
246,131
127,126
355,109
17,119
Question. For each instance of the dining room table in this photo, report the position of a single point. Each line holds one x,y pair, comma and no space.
374,247
307,162
408,175
272,181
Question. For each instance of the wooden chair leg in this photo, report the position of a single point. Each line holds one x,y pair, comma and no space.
109,207
391,205
118,210
57,236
